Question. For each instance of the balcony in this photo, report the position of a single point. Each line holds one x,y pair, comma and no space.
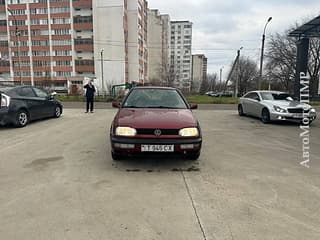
83,22
4,66
83,44
82,3
84,65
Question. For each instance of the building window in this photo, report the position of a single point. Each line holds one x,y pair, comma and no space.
59,9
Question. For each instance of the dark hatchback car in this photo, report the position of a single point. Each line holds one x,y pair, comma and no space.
155,120
20,105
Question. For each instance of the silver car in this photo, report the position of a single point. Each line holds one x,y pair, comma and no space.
274,106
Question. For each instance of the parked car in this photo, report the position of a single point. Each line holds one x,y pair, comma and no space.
220,94
274,106
22,104
155,120
209,93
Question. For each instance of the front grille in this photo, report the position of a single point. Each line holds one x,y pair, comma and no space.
297,110
148,131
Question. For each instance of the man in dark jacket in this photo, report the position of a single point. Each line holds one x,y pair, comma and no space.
90,91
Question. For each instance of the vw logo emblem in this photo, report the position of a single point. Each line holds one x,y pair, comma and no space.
157,132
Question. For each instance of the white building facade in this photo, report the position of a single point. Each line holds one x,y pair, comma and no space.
63,43
180,54
158,45
199,71
120,33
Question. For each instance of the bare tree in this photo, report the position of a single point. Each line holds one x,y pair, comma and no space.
314,65
246,74
281,62
209,83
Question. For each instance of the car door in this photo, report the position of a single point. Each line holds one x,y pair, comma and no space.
247,103
47,105
256,105
32,103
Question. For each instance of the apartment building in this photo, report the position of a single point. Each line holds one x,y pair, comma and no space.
180,54
137,40
48,41
158,45
199,71
120,33
65,42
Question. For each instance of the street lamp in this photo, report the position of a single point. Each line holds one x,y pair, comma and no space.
262,49
17,33
102,80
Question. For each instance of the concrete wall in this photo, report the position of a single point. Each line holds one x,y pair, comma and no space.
133,41
155,45
109,37
199,71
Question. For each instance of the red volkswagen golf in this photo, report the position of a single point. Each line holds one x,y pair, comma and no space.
155,120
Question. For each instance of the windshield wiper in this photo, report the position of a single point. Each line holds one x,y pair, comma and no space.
132,106
162,107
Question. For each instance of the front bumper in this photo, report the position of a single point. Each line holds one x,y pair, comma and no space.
5,116
133,145
298,117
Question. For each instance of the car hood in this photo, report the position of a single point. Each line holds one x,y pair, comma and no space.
289,104
155,118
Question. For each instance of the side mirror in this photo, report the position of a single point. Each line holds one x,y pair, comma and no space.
193,106
289,98
115,104
51,95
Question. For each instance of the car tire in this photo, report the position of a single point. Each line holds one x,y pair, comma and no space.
265,116
240,110
57,112
193,156
116,156
302,123
22,118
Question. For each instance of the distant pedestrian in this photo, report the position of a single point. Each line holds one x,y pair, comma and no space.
90,91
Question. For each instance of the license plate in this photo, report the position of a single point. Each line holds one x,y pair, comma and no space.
297,115
157,148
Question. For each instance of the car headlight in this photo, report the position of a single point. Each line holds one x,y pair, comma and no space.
126,131
189,132
5,100
279,109
312,110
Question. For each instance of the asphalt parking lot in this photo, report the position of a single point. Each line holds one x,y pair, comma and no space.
57,181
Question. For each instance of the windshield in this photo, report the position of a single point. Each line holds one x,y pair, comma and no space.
275,96
154,98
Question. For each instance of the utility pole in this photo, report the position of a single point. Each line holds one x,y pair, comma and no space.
237,78
261,57
17,34
220,78
102,78
232,69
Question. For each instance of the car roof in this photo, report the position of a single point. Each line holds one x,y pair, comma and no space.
5,89
268,91
155,87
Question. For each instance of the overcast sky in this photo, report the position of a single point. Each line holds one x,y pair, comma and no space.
220,28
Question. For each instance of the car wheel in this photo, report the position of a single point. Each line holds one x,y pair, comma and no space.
57,112
240,110
116,156
22,118
306,124
265,116
193,156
